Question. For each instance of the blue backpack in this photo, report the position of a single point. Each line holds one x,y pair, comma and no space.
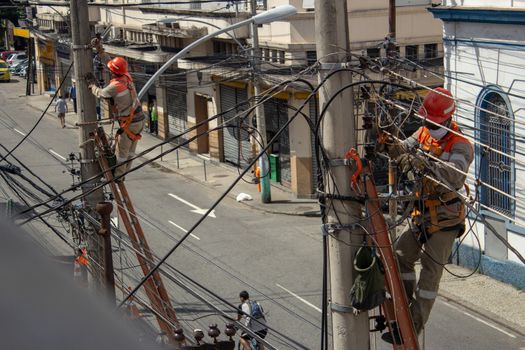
256,310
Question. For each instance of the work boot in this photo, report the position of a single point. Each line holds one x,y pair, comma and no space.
393,336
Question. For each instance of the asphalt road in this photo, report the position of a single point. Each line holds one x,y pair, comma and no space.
277,258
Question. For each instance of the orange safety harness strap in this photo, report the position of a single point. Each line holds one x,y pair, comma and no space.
125,122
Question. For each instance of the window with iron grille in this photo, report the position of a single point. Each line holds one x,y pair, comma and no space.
431,51
373,52
411,52
311,57
495,129
281,56
195,6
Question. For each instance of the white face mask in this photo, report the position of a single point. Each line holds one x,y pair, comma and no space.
438,134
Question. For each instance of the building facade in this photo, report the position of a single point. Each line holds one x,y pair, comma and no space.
484,49
216,78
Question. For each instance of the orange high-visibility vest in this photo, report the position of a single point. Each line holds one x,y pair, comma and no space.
438,147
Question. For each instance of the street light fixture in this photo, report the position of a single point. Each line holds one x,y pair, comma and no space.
272,15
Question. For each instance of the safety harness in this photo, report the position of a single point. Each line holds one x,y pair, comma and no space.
433,203
126,121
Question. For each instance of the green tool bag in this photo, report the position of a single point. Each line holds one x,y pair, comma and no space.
368,290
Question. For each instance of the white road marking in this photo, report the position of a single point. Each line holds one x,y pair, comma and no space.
18,131
56,154
480,320
298,297
196,209
183,229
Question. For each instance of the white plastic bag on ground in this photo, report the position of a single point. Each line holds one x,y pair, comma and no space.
243,197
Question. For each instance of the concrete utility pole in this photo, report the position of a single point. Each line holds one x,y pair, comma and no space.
266,195
82,58
338,134
104,209
30,58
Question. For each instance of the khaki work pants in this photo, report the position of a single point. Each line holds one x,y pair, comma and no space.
435,253
126,148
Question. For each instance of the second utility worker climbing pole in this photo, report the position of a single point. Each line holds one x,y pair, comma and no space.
125,108
439,217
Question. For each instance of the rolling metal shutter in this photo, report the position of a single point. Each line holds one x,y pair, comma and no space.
276,115
315,165
233,136
177,114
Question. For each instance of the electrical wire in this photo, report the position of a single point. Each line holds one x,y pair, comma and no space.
170,139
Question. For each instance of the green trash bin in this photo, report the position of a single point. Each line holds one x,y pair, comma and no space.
275,168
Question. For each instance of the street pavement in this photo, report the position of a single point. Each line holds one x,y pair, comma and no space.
271,250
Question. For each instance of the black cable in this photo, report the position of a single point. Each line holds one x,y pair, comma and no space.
185,285
55,231
41,117
30,171
168,140
221,197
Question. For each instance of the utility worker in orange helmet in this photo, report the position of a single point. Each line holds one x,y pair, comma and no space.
126,108
439,214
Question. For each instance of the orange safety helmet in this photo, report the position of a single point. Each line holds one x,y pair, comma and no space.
118,65
437,106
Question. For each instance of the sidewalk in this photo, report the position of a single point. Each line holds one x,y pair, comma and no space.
500,303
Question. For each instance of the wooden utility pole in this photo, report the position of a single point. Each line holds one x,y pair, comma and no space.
338,134
89,167
266,195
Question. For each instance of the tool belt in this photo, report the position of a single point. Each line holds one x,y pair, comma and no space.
124,122
431,206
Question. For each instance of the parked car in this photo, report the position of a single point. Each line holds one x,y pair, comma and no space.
6,54
23,72
15,68
16,58
4,72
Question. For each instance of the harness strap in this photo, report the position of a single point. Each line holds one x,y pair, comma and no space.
125,122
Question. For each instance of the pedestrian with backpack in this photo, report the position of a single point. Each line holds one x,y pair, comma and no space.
253,314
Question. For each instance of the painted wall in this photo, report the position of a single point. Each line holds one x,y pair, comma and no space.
368,22
477,56
136,18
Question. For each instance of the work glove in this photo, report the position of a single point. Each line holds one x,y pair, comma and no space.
408,162
90,79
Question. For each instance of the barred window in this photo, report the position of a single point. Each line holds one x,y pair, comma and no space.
495,128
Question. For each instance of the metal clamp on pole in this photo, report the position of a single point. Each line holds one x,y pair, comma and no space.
340,162
81,47
333,66
87,161
327,229
101,121
341,308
